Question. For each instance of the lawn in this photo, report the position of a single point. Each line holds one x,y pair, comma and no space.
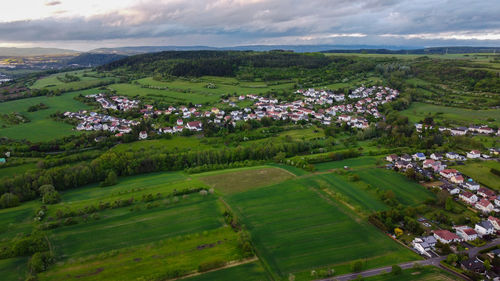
294,229
13,269
407,192
87,80
358,162
245,272
418,111
231,182
119,228
42,127
161,260
480,172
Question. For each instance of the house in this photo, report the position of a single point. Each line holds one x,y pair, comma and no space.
484,228
452,155
402,164
458,179
428,163
495,222
484,205
391,158
194,126
474,154
467,234
446,236
474,265
143,135
180,122
468,197
497,201
424,244
451,189
436,156
487,193
419,156
406,157
470,184
448,173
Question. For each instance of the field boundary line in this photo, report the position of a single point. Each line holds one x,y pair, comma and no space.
228,265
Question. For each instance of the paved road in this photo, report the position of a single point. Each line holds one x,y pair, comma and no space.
432,261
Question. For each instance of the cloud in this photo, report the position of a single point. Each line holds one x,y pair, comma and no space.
53,3
230,22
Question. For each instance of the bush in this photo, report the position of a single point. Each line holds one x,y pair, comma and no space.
357,266
111,179
396,269
208,265
9,200
40,261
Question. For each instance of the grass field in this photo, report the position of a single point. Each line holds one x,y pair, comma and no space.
118,228
480,172
296,230
427,273
17,220
245,272
13,269
176,143
52,82
42,127
158,261
231,182
16,170
359,162
418,111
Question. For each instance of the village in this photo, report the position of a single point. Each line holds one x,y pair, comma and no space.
473,195
331,108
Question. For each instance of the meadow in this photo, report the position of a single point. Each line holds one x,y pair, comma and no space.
41,126
176,143
295,229
245,272
87,80
426,273
480,172
459,116
16,170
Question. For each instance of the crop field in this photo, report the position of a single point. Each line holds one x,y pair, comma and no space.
359,162
86,81
406,191
294,229
41,126
118,227
245,272
480,172
230,181
157,261
418,111
427,273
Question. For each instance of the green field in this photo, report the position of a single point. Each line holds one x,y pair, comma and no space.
161,260
13,269
358,162
235,181
296,230
176,143
480,172
460,116
245,272
17,220
87,80
42,127
426,273
193,91
16,170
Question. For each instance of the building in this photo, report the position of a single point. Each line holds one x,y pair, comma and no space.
391,158
143,135
467,234
436,156
484,205
446,236
448,173
468,197
458,179
194,126
470,184
495,222
424,244
419,156
484,228
474,154
486,193
474,265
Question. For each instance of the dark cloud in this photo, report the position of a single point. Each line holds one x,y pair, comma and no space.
230,22
53,3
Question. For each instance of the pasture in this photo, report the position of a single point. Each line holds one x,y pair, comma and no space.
480,172
460,116
358,162
296,229
13,269
176,143
16,170
245,272
235,181
426,273
41,126
88,79
165,259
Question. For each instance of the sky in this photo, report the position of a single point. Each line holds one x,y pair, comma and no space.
88,24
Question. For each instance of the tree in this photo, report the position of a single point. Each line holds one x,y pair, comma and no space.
9,200
396,269
357,266
449,204
111,179
487,264
451,259
51,197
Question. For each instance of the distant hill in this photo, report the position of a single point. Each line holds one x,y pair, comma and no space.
424,51
23,52
295,48
90,60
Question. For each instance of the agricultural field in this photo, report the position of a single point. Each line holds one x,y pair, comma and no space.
87,79
16,170
176,143
41,126
426,273
456,116
245,272
358,162
295,229
239,180
481,173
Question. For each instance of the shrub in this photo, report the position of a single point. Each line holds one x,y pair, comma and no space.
357,266
40,261
9,200
396,269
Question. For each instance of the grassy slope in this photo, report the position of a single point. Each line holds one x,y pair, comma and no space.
13,269
245,272
295,230
52,83
480,172
16,170
42,127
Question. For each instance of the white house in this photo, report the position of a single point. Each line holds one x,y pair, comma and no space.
495,222
474,154
419,156
436,156
448,173
446,236
471,185
468,197
424,244
467,233
484,205
143,135
484,228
